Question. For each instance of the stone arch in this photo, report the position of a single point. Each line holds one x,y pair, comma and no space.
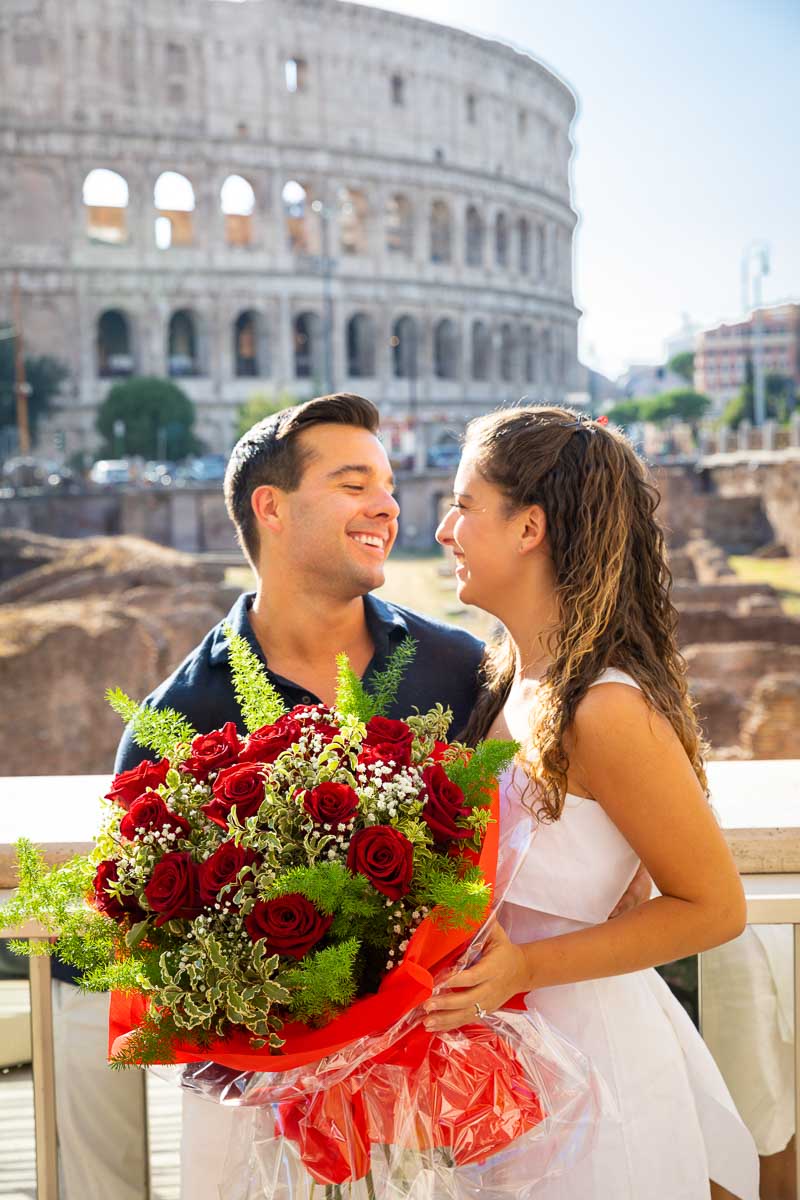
445,349
523,246
400,226
184,357
501,240
481,351
174,200
441,232
105,202
113,343
507,352
353,212
250,345
301,218
360,339
307,330
405,348
474,237
238,202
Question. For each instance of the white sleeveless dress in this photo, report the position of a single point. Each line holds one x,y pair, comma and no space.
679,1126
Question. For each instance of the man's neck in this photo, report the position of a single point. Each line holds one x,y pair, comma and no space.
300,636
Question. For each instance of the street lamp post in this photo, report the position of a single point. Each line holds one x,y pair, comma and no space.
758,253
326,266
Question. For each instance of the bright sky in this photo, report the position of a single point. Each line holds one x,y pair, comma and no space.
686,151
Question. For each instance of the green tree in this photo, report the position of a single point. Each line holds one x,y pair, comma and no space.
683,364
259,406
779,399
44,375
681,404
625,412
157,415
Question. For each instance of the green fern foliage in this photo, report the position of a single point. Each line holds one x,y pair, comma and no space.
323,981
260,703
352,698
386,683
159,729
477,774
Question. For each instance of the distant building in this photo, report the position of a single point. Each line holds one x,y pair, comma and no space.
722,353
642,380
685,340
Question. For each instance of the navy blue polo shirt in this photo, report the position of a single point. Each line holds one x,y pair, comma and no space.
444,671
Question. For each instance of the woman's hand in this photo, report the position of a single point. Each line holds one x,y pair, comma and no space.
500,973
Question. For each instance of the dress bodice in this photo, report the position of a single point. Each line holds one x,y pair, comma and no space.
577,867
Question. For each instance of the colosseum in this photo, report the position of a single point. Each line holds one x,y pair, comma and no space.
284,195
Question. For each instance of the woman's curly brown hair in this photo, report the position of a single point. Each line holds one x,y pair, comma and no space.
612,580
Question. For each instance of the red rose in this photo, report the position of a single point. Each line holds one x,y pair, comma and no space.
444,805
240,787
222,867
385,856
391,739
331,804
115,907
371,756
290,925
129,785
150,812
213,751
172,890
267,743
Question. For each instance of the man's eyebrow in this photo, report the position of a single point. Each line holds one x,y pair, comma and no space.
355,469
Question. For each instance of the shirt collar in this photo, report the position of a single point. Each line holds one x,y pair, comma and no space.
386,624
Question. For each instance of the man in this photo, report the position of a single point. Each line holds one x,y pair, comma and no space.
310,492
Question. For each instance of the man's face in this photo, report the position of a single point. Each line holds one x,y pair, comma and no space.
337,528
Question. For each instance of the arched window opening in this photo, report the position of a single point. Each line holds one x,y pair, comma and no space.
174,202
399,226
528,347
440,232
352,221
105,199
249,349
524,245
501,240
404,343
360,335
541,251
507,353
471,109
398,88
238,202
301,220
183,344
481,351
295,72
445,350
474,236
114,358
547,356
307,346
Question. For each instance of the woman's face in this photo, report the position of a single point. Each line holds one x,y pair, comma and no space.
484,539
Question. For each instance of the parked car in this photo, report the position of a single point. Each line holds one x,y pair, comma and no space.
445,456
110,472
159,474
207,468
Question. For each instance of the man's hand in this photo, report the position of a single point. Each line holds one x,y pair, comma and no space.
639,890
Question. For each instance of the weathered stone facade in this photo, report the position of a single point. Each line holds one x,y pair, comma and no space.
439,161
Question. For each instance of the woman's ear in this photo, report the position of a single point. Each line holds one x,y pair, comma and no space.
534,529
265,502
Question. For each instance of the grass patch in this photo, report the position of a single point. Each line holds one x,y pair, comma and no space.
782,573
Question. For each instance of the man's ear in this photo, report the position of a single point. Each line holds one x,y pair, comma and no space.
266,504
534,529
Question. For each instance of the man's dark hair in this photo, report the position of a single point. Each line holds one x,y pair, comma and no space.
269,454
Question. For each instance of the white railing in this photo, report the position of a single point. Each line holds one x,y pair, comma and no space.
60,815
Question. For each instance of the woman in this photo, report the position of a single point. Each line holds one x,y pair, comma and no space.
553,531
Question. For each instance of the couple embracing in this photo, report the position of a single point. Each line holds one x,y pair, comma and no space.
553,532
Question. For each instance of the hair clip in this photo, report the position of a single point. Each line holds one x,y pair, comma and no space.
583,422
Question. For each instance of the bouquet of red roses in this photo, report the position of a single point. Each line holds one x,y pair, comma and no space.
277,906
